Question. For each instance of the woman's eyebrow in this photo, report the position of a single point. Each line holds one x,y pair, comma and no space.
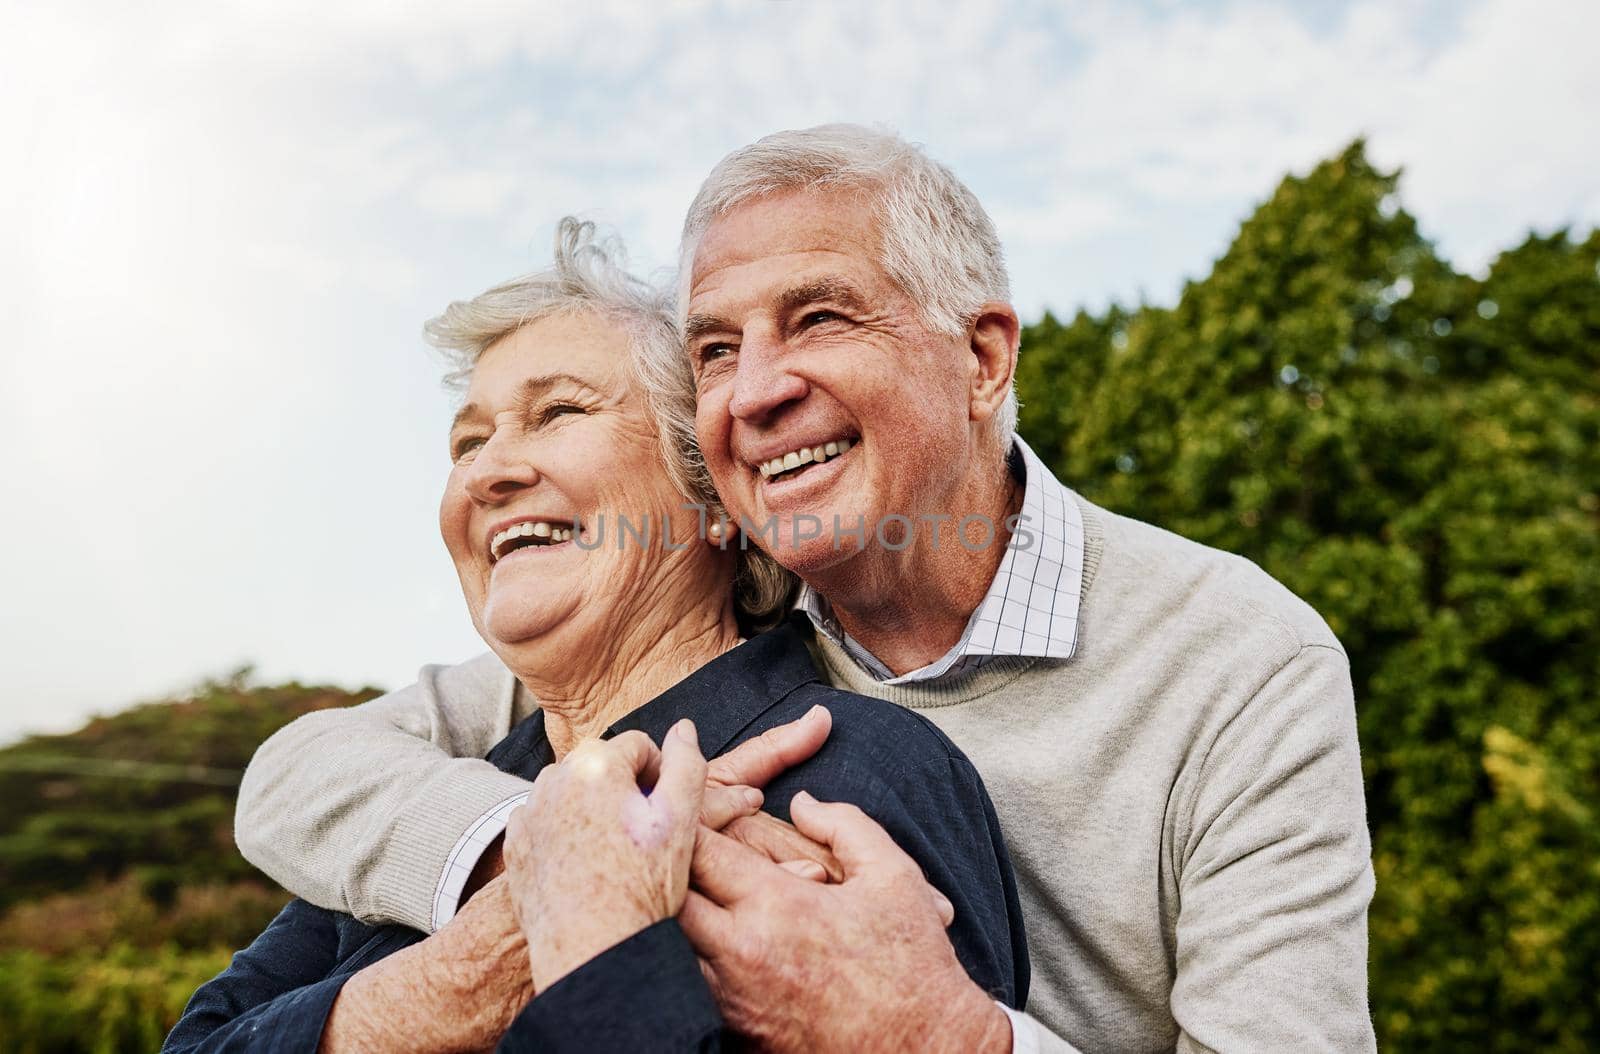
529,392
535,388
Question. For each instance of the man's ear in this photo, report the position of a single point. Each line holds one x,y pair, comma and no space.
992,340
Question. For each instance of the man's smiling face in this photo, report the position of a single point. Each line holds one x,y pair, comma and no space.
800,340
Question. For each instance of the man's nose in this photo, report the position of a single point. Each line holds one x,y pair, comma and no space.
763,383
500,471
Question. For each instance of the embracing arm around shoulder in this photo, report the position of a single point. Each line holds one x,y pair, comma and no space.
1275,873
358,810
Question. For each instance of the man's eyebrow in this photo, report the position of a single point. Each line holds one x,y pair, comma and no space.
828,287
529,392
463,415
697,326
792,299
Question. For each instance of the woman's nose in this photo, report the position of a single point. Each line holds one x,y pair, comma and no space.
499,472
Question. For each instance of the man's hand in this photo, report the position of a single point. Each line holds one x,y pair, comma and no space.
458,990
782,844
755,762
862,965
592,858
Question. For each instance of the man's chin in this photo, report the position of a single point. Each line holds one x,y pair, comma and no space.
805,551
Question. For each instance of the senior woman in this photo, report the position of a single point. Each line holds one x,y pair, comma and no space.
621,619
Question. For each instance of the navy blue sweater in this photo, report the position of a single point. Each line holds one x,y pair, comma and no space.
647,993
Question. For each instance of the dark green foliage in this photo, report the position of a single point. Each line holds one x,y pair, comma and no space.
1418,455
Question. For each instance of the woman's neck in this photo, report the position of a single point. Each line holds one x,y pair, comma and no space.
622,673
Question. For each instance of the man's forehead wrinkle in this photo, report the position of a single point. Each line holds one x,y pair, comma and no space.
701,275
785,285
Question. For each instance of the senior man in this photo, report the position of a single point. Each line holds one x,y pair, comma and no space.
1168,734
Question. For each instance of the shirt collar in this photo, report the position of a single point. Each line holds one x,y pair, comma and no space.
722,697
1031,608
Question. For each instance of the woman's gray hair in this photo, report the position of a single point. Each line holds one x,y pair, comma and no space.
938,243
589,274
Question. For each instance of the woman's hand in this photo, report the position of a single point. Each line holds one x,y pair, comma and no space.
602,849
733,799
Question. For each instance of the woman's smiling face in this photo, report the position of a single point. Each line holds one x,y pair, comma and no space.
552,452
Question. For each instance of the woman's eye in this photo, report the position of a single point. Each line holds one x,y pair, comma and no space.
555,410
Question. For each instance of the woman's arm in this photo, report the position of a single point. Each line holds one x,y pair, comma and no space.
291,988
274,995
459,989
358,810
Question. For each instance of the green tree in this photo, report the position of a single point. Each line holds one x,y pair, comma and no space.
1417,454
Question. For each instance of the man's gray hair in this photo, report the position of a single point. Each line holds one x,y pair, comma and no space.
938,243
589,275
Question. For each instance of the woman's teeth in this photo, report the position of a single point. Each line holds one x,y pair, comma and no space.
804,456
541,532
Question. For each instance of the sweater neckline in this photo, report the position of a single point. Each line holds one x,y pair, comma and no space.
951,689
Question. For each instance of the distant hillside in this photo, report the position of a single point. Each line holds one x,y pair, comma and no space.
146,793
120,887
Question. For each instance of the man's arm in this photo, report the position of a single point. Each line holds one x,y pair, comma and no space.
369,810
359,810
1275,873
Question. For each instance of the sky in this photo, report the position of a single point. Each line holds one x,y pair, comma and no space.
222,225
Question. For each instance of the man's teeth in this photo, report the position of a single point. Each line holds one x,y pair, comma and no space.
548,533
804,456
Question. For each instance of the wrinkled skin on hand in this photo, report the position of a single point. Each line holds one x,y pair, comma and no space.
862,965
458,990
733,797
592,859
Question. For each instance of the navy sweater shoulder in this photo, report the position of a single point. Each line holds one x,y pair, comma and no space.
647,993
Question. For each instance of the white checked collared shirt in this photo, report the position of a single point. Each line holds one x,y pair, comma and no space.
1032,604
1031,609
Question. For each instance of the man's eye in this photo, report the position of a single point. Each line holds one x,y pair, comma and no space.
815,318
712,352
464,446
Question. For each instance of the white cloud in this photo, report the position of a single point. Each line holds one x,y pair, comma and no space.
220,427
